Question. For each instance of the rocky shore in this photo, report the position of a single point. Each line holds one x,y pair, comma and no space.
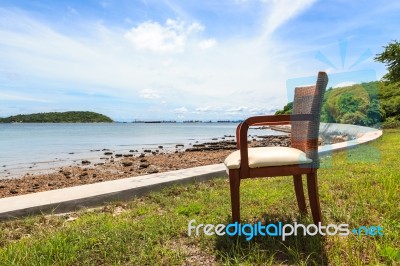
116,166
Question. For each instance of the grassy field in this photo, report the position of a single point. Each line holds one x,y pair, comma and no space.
358,187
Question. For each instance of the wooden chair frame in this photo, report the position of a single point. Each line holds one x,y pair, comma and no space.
235,175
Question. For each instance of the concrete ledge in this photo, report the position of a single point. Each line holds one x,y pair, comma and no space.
361,138
73,198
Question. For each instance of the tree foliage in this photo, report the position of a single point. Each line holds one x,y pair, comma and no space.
391,57
365,104
56,117
287,109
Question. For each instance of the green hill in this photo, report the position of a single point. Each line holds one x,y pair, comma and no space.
57,117
365,104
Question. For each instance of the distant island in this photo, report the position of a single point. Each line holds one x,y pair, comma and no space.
58,117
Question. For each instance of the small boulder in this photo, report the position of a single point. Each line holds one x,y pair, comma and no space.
143,165
127,164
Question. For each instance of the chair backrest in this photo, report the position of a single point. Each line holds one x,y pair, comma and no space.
308,100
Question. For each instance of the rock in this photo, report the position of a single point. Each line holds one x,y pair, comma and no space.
143,165
143,160
195,149
214,139
126,164
141,155
71,153
105,149
108,153
85,162
128,155
50,184
118,155
152,171
339,138
147,151
13,191
67,174
83,175
154,153
199,145
179,145
94,175
131,150
2,186
4,165
160,147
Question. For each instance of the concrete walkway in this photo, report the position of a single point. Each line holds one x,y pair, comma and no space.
73,198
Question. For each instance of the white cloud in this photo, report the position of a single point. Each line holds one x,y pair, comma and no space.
181,110
345,84
204,109
149,94
171,37
207,44
20,97
280,11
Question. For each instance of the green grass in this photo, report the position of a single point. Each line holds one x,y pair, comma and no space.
358,187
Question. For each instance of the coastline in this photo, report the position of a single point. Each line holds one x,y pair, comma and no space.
117,166
112,165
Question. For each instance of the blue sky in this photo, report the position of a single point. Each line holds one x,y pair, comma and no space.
183,60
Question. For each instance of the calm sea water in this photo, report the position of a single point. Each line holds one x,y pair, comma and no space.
34,147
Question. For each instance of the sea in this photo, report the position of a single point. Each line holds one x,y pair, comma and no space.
37,148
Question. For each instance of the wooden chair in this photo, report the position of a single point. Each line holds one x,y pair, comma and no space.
301,158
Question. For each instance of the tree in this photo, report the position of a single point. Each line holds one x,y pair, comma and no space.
391,57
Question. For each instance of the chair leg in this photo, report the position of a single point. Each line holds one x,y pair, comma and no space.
312,187
234,182
298,188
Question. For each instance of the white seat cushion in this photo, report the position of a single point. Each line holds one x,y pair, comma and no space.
268,156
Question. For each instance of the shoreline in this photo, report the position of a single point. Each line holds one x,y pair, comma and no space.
122,165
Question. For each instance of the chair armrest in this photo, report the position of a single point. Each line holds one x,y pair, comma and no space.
242,129
277,119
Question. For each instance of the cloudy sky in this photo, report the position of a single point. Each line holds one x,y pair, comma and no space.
169,59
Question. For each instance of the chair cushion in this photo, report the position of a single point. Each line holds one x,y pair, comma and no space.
268,156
